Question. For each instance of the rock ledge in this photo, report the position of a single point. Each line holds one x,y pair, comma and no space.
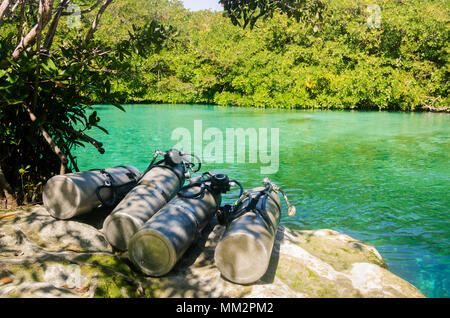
44,257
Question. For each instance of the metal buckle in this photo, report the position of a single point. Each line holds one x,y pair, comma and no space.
107,178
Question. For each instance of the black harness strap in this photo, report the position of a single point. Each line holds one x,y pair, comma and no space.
111,183
237,211
131,174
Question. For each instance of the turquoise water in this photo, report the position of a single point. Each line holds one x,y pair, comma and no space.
377,176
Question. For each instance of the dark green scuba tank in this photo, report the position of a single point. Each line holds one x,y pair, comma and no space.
244,251
73,194
157,186
161,242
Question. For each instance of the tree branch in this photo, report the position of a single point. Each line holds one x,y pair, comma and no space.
88,139
3,8
8,191
14,7
74,163
48,138
52,29
283,4
45,14
85,11
94,25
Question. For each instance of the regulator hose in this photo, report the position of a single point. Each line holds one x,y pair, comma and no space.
199,162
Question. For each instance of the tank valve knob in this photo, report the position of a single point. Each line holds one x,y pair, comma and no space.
174,157
220,183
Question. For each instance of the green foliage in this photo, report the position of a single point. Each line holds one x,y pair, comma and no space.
49,93
335,62
68,82
262,53
247,12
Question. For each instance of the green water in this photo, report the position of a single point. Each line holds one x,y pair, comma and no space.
379,177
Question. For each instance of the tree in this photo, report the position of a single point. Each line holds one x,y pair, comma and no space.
47,87
46,90
246,12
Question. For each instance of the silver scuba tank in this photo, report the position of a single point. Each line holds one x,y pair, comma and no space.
157,185
162,241
243,253
73,194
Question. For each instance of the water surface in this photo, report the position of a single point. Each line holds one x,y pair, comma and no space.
379,177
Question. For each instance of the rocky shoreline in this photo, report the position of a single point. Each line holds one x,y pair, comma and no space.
44,257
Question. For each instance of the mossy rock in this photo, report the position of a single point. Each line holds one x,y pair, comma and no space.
338,250
44,257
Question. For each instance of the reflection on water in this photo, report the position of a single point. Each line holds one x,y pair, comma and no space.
380,177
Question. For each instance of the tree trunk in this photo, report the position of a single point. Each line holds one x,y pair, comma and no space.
96,20
52,29
45,14
21,20
7,191
48,138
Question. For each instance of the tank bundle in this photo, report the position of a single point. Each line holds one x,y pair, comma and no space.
157,218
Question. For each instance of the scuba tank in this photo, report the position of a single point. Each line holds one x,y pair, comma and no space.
157,185
73,194
243,253
161,242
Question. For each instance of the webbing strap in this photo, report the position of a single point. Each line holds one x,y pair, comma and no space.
251,207
152,185
111,183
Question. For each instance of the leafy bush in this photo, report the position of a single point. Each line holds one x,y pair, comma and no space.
337,62
47,87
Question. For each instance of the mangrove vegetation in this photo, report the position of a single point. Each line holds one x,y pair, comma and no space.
59,58
344,54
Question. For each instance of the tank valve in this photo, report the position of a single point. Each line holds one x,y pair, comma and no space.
271,185
220,183
173,158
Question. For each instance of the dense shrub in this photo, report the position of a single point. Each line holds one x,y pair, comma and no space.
336,62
